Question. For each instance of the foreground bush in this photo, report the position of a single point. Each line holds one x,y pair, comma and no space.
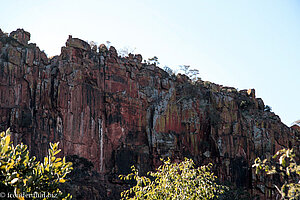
26,178
174,181
284,164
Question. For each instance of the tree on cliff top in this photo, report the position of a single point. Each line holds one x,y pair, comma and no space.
22,177
174,181
191,73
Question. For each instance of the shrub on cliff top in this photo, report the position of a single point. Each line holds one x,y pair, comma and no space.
174,181
22,177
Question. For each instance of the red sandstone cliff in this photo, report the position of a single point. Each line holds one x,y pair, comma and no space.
117,112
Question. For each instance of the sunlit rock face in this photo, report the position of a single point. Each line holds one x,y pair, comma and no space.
117,111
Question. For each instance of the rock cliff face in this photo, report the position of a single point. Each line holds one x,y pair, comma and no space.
117,112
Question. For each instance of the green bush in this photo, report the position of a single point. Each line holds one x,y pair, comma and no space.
174,181
284,164
26,178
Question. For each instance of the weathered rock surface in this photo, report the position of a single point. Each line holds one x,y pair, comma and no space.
116,112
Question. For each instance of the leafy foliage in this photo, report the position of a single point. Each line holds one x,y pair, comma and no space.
191,73
284,164
125,51
20,174
93,45
174,181
168,70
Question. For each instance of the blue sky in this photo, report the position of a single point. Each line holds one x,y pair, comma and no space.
244,44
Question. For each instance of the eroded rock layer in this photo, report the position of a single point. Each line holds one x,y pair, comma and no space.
117,111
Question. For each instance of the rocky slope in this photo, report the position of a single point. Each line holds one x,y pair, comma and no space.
116,112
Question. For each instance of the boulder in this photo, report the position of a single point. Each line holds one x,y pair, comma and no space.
21,36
